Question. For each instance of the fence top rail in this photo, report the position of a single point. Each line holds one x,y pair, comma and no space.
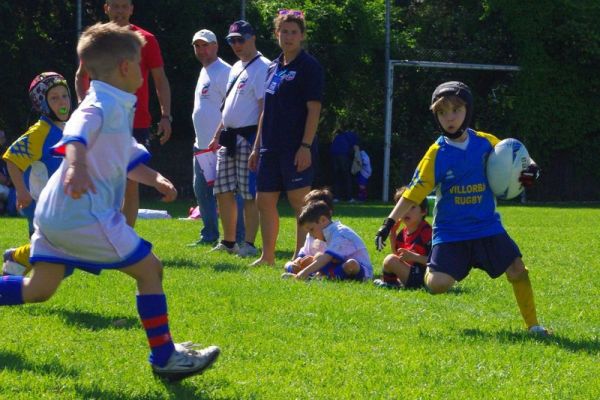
451,65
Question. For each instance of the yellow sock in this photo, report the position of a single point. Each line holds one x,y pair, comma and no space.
524,296
21,255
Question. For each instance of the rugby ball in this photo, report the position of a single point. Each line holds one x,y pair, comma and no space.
504,166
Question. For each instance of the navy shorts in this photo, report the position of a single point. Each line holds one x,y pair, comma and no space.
335,271
416,277
142,135
277,172
493,254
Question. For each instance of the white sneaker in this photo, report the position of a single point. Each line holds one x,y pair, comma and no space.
539,330
247,250
10,266
185,362
13,268
221,247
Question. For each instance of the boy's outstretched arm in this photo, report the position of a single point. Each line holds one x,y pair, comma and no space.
146,175
398,212
320,261
77,180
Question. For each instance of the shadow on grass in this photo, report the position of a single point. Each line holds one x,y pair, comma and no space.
219,266
175,392
591,347
181,262
87,320
285,254
15,362
229,267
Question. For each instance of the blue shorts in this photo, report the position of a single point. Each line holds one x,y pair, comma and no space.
336,271
493,254
277,172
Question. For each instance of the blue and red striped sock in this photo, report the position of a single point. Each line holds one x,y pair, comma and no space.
11,290
153,313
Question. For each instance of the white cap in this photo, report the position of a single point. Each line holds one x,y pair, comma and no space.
205,35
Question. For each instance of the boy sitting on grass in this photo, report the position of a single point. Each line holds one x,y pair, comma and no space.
312,246
411,246
78,222
345,256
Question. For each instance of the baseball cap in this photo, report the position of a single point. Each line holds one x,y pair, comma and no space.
240,28
205,35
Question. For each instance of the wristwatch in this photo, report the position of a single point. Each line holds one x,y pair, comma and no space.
169,117
305,145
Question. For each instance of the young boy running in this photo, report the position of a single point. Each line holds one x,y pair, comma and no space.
78,221
467,231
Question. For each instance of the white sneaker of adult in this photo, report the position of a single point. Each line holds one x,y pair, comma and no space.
247,250
222,248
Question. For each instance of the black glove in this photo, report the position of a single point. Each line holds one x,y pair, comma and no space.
529,175
383,233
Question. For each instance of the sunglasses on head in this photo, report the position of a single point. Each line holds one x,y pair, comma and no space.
295,13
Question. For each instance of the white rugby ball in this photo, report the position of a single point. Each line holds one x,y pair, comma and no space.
504,166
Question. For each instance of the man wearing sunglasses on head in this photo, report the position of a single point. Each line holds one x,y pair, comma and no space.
241,109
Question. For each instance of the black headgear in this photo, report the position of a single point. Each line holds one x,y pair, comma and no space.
460,90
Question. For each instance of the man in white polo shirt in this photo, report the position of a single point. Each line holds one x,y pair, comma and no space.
236,134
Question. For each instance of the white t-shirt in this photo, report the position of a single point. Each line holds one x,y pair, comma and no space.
208,97
343,244
312,246
242,104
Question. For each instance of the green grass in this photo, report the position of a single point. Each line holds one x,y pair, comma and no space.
320,340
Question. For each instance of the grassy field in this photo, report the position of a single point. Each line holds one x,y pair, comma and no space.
320,340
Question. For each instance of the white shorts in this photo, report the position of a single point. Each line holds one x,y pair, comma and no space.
108,244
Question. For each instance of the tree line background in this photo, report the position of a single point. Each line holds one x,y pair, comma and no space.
552,104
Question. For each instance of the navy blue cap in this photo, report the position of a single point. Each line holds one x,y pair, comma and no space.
240,28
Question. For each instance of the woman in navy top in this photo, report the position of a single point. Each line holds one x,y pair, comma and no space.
285,146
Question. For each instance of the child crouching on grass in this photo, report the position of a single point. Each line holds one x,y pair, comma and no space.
345,256
312,246
466,235
406,266
78,223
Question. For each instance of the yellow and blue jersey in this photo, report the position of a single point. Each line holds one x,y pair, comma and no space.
465,206
31,154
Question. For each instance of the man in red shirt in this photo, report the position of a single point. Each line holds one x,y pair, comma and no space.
119,12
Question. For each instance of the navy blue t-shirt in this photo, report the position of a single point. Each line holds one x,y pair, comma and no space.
288,88
343,143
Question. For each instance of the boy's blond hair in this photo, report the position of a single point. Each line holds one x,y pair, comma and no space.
102,47
454,101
